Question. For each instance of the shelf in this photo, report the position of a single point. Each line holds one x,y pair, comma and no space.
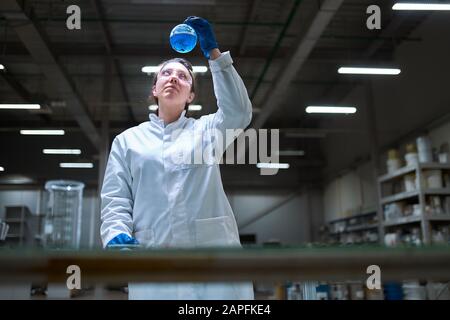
402,220
439,217
363,227
398,173
435,166
14,220
437,191
356,229
400,196
364,213
405,170
13,236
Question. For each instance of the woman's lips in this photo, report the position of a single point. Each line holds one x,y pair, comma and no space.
170,87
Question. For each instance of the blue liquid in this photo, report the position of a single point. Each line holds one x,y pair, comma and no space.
183,38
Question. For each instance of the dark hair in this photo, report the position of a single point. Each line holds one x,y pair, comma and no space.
188,66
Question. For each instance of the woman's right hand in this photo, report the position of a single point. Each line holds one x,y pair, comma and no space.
122,239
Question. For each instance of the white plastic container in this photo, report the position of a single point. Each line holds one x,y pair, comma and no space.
410,182
434,179
443,157
393,165
414,291
424,149
411,159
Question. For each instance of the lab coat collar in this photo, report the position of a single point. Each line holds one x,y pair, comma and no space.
154,119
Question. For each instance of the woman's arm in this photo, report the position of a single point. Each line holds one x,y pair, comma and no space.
234,106
116,196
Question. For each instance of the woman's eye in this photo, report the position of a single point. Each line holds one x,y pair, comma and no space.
183,76
165,72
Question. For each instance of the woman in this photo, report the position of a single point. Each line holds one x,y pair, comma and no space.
151,198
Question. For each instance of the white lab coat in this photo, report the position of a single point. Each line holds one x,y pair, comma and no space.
165,203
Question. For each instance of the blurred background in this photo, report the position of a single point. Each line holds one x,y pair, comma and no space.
377,173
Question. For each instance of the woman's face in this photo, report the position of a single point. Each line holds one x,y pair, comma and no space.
173,86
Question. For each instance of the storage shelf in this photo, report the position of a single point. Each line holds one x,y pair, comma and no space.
364,213
400,196
363,227
405,170
402,221
15,220
13,236
413,219
437,191
439,217
398,173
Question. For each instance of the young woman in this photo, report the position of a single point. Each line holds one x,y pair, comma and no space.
151,198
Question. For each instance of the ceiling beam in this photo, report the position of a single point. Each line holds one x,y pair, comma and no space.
35,40
277,95
245,33
109,49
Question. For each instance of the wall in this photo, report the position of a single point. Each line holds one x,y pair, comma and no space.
351,193
34,199
296,222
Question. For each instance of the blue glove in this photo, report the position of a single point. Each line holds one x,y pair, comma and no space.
122,239
204,32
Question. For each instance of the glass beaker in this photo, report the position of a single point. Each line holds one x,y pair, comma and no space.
62,227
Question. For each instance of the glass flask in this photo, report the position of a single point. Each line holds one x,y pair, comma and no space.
183,38
62,225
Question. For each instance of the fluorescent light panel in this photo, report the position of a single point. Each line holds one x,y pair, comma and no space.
61,151
192,107
2,169
2,67
155,69
263,165
43,132
421,6
330,109
195,107
77,165
373,71
23,106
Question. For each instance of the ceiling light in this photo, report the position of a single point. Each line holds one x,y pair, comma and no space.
195,107
422,6
176,2
23,106
155,69
291,153
192,107
263,165
2,67
43,132
373,71
2,169
61,151
77,165
330,109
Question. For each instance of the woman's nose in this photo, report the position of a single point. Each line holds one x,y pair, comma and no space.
173,79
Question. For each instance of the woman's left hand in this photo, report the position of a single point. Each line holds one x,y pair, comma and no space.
205,33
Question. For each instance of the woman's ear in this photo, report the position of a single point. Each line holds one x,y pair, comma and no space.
154,91
191,97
